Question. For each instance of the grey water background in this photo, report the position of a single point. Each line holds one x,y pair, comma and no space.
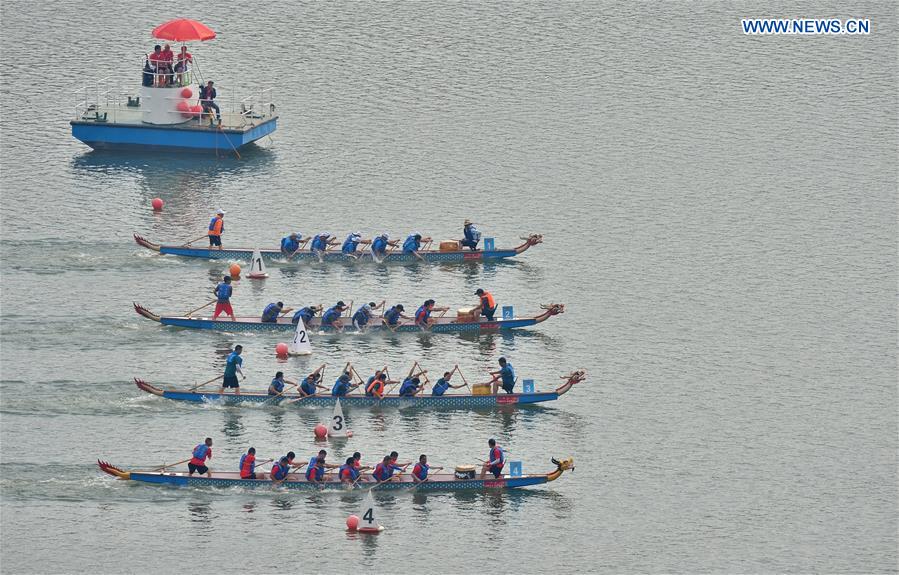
720,219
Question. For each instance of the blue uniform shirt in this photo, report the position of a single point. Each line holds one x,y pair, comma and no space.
307,313
278,384
350,244
392,316
330,315
408,387
320,243
289,245
379,245
308,387
231,364
472,234
223,292
341,387
440,387
362,315
508,376
270,313
411,244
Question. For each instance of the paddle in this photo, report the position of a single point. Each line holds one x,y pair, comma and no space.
185,244
300,245
280,393
426,479
171,465
206,382
459,371
205,305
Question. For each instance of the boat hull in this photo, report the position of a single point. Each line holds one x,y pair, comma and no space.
361,401
276,256
286,325
119,136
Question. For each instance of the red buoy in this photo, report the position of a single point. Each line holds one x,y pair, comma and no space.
234,270
320,431
157,204
352,522
281,349
187,93
184,107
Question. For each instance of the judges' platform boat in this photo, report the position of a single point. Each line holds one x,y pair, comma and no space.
175,108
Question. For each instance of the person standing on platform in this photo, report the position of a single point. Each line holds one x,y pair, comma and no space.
223,296
232,368
201,453
216,227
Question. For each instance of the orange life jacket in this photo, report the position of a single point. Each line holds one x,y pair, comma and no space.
215,226
487,300
376,387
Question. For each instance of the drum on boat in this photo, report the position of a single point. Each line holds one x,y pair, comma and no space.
465,471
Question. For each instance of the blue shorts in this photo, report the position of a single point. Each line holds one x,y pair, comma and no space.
496,470
193,468
230,381
215,241
508,388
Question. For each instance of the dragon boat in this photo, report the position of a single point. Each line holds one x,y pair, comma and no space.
276,256
297,481
460,323
446,401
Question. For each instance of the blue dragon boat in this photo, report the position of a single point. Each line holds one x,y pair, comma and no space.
168,112
297,481
439,325
276,256
447,401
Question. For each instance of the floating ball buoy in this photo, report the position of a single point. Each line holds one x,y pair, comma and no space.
196,110
281,349
184,107
320,431
157,204
234,270
352,522
187,93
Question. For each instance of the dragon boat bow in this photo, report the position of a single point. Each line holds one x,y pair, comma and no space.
296,481
276,256
439,324
447,401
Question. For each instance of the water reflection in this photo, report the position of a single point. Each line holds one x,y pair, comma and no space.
232,426
200,512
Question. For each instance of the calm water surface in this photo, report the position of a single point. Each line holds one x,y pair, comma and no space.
720,219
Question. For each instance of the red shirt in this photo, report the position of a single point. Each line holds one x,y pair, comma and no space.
185,57
156,57
167,55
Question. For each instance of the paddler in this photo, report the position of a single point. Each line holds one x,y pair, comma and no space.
393,315
394,456
443,384
277,385
364,314
315,470
343,385
421,469
413,244
505,374
487,303
471,236
291,244
320,244
310,385
247,465
281,468
306,313
232,368
273,311
348,473
223,298
410,386
352,242
423,314
201,453
384,470
375,385
331,317
216,227
380,243
496,459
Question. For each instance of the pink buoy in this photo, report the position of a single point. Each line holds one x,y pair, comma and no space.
352,522
281,349
187,93
157,204
320,431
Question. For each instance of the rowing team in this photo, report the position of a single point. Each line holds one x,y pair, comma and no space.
375,386
333,316
350,473
322,242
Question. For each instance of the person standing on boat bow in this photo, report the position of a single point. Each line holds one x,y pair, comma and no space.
273,311
487,303
472,236
223,298
207,97
496,460
216,227
232,368
505,374
201,453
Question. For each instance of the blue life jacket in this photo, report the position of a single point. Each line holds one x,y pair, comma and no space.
382,472
350,244
421,470
472,234
408,388
379,245
223,292
319,244
240,466
200,451
508,375
422,314
354,473
440,387
307,313
411,244
212,224
289,245
270,313
340,388
278,384
280,469
308,387
330,315
497,453
313,469
362,315
392,316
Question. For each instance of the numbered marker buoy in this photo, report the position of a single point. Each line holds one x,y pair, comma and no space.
367,521
337,427
301,344
257,267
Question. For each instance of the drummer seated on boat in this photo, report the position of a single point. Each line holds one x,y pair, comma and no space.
410,387
343,385
471,236
272,311
291,244
315,470
306,313
348,473
506,375
232,368
364,314
421,469
215,229
375,385
331,317
247,465
393,315
487,303
380,243
496,460
281,468
310,385
443,384
201,453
